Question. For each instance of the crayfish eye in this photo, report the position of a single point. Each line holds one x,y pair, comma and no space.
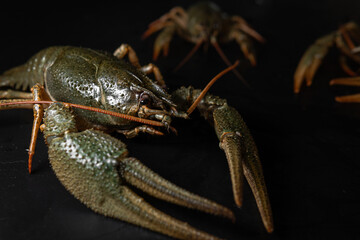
144,98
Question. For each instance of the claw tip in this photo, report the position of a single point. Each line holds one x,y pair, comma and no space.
239,202
270,229
296,89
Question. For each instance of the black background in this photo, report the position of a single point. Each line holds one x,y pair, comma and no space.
309,145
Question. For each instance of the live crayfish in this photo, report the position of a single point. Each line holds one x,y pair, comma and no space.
203,23
347,40
101,80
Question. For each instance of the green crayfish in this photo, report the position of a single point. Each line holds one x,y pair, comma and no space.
204,23
93,165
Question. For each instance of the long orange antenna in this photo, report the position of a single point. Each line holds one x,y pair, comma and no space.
227,61
115,114
206,89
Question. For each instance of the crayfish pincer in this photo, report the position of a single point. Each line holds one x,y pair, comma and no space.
347,40
94,167
106,93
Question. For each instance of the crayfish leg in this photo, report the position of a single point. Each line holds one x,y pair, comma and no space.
152,68
38,114
344,30
227,61
351,81
241,24
126,49
143,128
10,94
344,65
354,98
37,92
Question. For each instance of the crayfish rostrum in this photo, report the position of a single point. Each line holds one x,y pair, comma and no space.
94,166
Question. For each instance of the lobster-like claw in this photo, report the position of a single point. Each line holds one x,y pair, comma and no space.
168,23
347,39
243,159
162,41
94,167
228,131
238,144
311,60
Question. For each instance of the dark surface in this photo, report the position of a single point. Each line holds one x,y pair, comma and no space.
309,145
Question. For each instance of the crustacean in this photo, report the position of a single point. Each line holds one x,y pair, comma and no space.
203,23
94,166
347,40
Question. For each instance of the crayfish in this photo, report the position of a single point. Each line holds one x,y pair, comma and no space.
90,92
347,40
203,23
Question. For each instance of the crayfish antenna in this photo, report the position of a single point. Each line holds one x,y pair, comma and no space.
206,89
227,61
24,102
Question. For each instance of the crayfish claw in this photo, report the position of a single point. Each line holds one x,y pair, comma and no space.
128,206
137,174
243,159
94,167
311,61
238,144
231,144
